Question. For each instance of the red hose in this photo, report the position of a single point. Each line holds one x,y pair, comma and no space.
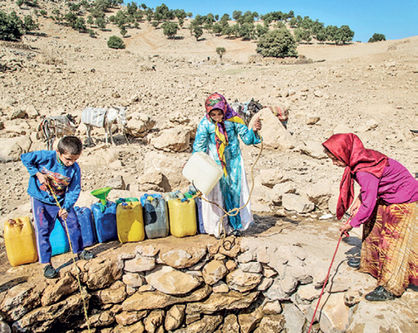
326,280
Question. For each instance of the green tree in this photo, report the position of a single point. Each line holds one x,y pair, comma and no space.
302,35
236,14
377,38
344,34
80,25
197,32
101,23
331,33
162,13
293,22
29,24
217,28
149,14
132,8
247,31
11,26
181,15
115,42
123,31
220,51
260,30
277,43
170,29
321,35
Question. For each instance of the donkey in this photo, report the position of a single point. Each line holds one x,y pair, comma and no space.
104,117
56,126
247,110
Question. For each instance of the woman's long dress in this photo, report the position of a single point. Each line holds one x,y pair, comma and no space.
232,190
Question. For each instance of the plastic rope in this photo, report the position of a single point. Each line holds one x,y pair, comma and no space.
234,211
71,248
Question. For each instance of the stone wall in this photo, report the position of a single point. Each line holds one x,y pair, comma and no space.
194,284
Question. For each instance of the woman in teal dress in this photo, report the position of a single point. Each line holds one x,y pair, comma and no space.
217,135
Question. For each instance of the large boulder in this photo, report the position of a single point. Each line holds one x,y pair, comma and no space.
12,148
275,136
140,124
173,140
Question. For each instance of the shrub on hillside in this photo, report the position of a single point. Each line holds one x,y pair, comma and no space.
220,51
11,26
115,42
278,44
197,31
170,29
377,38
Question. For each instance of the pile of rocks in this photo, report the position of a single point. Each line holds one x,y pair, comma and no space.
198,284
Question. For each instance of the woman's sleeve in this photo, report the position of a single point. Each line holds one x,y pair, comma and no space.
201,140
368,194
247,135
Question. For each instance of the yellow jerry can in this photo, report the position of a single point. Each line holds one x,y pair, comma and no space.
129,222
182,216
19,238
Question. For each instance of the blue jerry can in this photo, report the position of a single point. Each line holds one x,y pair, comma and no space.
105,221
155,215
58,239
85,221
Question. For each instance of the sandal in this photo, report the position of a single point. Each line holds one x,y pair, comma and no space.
85,255
50,272
354,262
379,294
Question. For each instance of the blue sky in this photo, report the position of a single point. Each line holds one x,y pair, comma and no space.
395,19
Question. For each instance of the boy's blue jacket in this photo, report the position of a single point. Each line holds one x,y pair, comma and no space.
65,181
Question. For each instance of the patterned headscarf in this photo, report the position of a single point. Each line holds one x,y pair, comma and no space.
217,101
349,149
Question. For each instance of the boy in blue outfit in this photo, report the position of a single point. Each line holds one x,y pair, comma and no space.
56,170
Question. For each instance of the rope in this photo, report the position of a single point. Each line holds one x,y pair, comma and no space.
326,279
71,248
234,211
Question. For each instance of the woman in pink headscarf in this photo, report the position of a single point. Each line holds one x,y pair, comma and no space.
387,208
218,135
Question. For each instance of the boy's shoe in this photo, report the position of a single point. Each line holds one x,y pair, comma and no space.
354,262
50,272
85,255
379,294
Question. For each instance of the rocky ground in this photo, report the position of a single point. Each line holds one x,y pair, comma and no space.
368,89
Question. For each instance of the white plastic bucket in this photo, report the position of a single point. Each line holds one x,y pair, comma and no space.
203,172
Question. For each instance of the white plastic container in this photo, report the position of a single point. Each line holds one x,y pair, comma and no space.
203,172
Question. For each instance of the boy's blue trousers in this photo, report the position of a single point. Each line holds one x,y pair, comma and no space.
44,217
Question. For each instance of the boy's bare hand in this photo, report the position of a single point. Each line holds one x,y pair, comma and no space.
257,124
43,179
63,213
